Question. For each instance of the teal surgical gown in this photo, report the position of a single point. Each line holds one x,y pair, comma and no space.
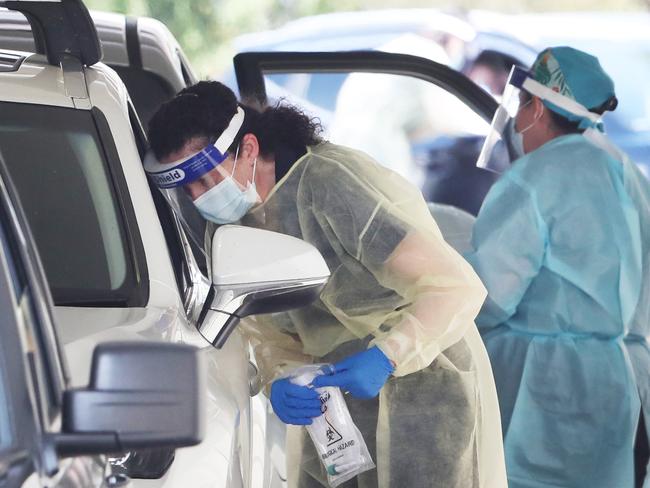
561,243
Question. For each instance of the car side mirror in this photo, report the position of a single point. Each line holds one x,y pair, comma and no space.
141,394
257,271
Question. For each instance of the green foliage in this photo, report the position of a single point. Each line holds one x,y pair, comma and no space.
205,27
512,6
194,23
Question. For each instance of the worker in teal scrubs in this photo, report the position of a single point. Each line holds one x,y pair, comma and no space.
562,245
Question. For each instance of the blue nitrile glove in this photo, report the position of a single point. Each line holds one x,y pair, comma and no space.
362,374
294,404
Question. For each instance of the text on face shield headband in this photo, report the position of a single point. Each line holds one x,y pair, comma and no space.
189,170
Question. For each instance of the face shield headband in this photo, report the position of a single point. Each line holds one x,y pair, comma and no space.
521,79
179,173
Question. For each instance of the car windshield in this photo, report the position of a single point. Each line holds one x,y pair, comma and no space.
57,163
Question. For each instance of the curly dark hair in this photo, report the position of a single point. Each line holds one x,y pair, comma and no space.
205,110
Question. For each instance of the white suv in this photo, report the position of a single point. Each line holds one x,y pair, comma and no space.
52,434
118,263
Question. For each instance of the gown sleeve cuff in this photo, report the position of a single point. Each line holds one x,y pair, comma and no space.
405,358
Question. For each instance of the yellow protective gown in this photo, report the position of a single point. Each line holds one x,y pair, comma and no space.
397,284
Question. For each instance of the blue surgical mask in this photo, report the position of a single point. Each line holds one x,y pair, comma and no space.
226,203
516,141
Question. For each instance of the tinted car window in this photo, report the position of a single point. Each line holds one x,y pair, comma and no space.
25,378
57,163
17,276
8,357
6,432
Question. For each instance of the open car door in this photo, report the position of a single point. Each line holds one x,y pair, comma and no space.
416,116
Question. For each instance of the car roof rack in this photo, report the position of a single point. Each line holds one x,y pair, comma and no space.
61,28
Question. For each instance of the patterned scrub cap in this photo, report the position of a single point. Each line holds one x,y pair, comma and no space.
574,74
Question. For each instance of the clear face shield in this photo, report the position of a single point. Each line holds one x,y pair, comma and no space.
504,145
499,149
199,188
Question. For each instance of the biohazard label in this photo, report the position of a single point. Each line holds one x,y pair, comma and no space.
333,450
324,398
332,434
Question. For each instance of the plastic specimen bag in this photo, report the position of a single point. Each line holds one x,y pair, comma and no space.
338,441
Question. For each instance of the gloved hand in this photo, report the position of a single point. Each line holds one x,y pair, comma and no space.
294,404
362,374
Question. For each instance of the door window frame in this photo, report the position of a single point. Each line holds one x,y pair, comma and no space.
190,277
250,68
35,297
38,371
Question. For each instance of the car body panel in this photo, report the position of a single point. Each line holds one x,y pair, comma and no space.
349,29
215,462
81,472
35,81
161,53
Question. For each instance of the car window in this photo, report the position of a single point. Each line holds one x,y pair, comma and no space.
416,116
31,305
17,279
17,424
6,431
58,165
409,125
320,90
10,361
17,275
165,214
30,390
